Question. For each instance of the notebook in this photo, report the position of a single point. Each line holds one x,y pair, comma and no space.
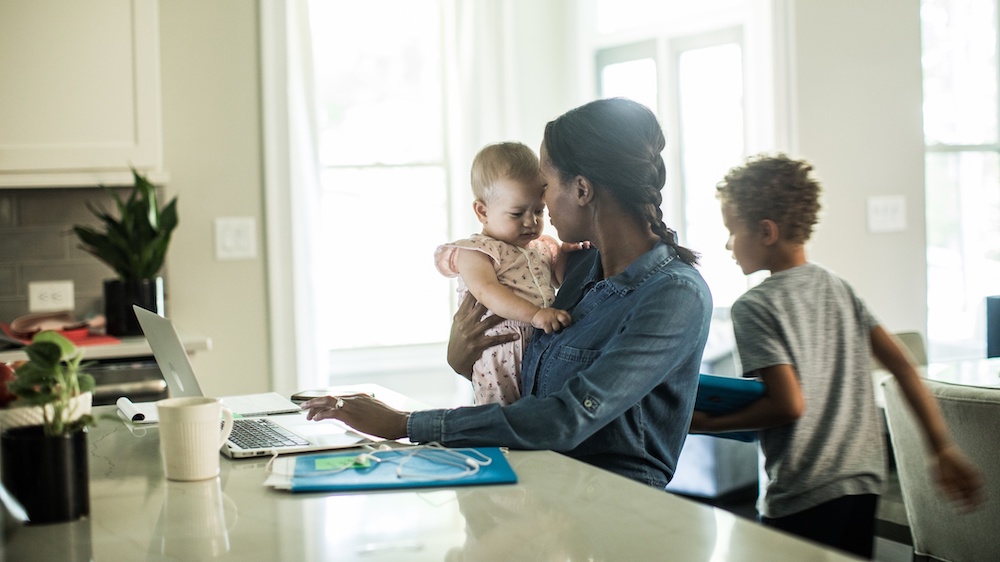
259,416
409,467
720,395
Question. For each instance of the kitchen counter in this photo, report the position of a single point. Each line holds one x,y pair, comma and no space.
129,347
124,369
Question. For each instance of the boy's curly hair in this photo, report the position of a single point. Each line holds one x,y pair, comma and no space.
777,188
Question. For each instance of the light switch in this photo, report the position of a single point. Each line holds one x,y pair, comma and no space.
886,213
235,238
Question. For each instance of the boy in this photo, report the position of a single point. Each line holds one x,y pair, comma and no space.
808,337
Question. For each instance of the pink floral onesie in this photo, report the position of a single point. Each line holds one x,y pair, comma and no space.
496,376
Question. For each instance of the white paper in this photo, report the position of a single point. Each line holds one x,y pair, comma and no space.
138,412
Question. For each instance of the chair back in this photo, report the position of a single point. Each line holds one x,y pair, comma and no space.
913,344
973,417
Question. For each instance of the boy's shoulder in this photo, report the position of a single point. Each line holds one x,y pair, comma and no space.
785,284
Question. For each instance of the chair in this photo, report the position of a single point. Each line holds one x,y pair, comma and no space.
938,530
912,342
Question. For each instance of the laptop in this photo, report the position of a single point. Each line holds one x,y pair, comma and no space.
266,423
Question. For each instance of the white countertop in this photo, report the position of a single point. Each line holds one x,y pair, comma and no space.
560,509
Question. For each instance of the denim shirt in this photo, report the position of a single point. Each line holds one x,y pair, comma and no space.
614,389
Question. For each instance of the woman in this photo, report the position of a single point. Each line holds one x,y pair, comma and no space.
616,388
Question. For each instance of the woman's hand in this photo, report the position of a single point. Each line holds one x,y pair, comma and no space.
360,411
468,339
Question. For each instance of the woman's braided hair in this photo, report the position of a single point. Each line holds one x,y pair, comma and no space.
616,143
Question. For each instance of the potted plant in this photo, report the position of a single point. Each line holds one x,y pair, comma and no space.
134,245
43,444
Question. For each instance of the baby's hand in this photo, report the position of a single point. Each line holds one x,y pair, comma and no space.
574,246
551,319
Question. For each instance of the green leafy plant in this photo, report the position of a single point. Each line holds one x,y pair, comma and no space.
134,244
50,379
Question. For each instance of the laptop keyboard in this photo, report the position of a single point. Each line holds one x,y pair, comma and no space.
262,433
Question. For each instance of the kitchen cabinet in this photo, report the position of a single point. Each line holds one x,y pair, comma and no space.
79,92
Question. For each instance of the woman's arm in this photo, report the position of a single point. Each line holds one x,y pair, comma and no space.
480,277
781,403
958,478
594,383
360,411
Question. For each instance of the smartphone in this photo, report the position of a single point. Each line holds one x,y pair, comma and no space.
304,395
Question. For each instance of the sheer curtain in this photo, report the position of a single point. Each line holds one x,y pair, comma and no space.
292,192
484,87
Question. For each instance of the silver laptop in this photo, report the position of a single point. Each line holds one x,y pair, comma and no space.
267,423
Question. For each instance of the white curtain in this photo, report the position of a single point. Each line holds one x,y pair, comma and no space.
485,87
292,192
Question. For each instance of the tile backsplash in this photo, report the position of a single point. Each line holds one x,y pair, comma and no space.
37,243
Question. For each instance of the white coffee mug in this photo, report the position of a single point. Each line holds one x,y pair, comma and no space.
190,438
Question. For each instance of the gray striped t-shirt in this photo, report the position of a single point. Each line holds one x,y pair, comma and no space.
809,318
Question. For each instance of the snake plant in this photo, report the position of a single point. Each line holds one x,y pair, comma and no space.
135,244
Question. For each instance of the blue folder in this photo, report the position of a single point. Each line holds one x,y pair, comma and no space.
721,395
420,471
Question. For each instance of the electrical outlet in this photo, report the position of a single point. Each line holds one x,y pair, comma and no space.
50,296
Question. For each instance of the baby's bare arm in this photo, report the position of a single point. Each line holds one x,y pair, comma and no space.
477,271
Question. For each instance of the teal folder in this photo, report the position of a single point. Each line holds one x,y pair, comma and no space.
400,469
721,395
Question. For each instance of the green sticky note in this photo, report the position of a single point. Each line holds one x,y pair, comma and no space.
341,463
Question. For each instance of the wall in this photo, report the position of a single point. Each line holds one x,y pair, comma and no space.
37,244
856,115
211,124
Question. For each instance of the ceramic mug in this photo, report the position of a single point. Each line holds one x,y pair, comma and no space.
190,437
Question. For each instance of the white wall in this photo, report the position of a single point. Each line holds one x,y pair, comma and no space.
856,113
212,151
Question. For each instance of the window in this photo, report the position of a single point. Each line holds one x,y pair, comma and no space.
961,73
698,81
384,179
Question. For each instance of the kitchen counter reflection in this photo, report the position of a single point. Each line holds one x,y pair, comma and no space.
560,509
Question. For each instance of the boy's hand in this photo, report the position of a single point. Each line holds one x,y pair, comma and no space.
551,319
699,422
958,478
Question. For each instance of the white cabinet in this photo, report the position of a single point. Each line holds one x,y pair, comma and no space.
79,92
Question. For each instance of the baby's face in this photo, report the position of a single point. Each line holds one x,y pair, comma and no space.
517,212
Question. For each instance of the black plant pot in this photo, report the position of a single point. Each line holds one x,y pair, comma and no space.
47,474
120,295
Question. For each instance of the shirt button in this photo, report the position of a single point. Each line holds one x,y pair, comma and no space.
588,403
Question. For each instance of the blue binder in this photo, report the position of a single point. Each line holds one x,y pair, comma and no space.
421,471
721,395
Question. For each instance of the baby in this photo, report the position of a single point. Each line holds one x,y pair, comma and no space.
510,267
